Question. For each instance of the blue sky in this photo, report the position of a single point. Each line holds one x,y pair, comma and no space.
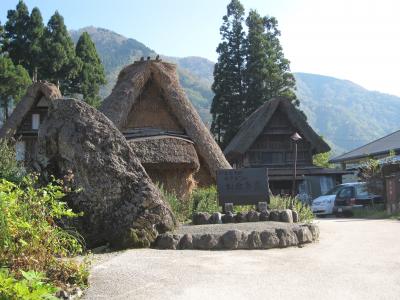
350,39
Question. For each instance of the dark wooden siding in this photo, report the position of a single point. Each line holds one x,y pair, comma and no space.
26,125
274,148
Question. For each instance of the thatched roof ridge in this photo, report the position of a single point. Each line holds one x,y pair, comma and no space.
252,127
131,83
33,93
165,152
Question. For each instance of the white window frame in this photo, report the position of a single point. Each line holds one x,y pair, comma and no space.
35,121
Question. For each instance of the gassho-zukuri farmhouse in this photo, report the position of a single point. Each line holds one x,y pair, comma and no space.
146,134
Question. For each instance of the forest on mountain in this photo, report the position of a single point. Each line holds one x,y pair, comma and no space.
334,107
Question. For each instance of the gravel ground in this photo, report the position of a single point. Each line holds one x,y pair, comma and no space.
354,259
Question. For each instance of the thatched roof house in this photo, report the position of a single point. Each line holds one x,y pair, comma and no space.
163,128
279,111
264,140
25,120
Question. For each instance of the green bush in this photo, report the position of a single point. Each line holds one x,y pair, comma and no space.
182,209
305,212
10,169
205,200
32,286
31,237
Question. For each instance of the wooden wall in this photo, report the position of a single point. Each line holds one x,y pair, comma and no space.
274,147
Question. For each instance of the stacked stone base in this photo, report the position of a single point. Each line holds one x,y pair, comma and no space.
237,239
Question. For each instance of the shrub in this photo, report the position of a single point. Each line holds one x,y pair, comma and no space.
205,200
32,286
31,238
182,209
10,169
305,212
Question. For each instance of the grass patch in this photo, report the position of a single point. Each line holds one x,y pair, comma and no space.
374,213
280,203
206,200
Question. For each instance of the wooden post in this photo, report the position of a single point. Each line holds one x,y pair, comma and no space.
294,170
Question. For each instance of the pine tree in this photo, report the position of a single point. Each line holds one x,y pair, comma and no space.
14,80
227,106
23,33
281,81
2,39
59,64
91,75
16,40
257,72
35,36
267,70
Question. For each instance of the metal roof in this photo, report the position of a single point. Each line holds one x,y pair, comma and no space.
378,147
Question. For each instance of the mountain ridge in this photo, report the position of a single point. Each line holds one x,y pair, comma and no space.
346,114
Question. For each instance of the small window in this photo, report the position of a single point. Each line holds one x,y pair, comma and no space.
346,193
361,190
20,151
35,121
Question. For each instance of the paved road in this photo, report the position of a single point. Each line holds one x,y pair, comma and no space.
354,259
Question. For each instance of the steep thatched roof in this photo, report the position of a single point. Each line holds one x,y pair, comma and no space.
165,151
131,83
252,127
32,96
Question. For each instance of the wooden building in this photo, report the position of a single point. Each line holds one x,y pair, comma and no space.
23,125
163,128
264,140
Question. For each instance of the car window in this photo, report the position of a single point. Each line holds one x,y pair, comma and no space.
346,193
334,190
361,190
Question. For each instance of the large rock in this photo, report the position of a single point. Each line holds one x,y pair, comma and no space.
186,242
254,240
287,238
286,216
264,215
274,215
269,239
240,217
205,241
253,216
167,241
231,239
120,203
304,234
200,218
228,218
215,218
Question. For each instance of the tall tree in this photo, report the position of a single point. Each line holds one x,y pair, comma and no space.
23,34
1,39
14,80
35,37
59,63
227,107
281,81
256,73
267,70
92,74
16,40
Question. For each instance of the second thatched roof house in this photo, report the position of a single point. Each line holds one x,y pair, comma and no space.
24,122
163,128
265,140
